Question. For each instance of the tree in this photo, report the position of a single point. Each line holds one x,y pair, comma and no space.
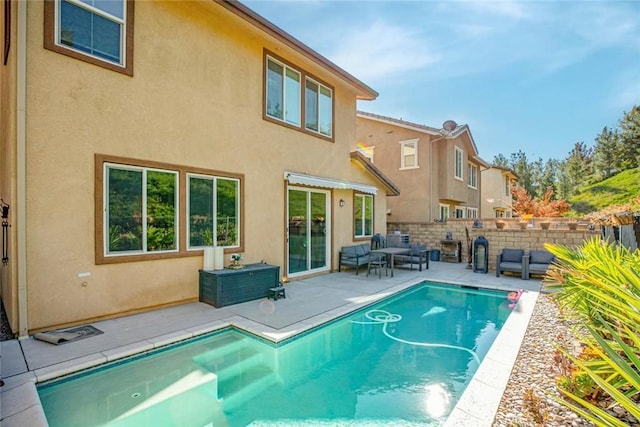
545,207
501,160
630,138
607,154
578,165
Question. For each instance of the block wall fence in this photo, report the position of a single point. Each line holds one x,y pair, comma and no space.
511,236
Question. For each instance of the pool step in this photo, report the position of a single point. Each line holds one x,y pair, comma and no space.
252,382
240,369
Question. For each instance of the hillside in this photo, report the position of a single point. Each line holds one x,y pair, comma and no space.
617,190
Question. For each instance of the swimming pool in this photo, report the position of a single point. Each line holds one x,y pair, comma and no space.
403,361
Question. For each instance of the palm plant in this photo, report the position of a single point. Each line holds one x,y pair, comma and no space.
600,282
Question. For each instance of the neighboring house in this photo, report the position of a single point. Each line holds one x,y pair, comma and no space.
497,182
436,170
135,134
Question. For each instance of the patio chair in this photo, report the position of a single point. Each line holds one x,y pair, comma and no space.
377,261
538,262
377,241
513,261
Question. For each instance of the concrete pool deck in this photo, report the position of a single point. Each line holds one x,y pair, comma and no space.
309,303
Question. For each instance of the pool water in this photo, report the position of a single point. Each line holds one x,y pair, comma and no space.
403,361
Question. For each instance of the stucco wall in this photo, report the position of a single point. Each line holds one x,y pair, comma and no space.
195,99
431,234
413,183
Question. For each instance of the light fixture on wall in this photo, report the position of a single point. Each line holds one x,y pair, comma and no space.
342,203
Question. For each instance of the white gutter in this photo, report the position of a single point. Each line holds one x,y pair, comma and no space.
21,168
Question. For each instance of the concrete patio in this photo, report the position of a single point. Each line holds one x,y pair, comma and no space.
309,303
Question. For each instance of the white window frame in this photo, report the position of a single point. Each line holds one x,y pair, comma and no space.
404,147
363,200
444,211
145,214
472,176
325,98
458,172
472,213
320,117
122,23
214,179
458,210
507,186
285,113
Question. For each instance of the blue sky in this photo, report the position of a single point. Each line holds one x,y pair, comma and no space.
532,75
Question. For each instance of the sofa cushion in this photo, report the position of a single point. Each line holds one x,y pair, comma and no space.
512,255
541,257
349,250
363,249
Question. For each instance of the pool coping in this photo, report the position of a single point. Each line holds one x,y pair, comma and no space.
477,406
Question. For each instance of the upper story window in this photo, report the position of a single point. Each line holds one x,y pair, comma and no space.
472,176
283,92
96,31
288,103
363,215
318,108
507,186
409,154
459,154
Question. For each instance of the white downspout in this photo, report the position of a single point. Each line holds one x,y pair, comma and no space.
21,168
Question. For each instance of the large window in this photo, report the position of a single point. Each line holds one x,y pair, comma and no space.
150,210
286,102
318,108
459,154
213,211
472,176
95,31
409,154
283,92
472,213
142,210
363,215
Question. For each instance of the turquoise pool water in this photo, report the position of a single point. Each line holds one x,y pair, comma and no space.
404,361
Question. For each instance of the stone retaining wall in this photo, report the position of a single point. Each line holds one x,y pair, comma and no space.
511,236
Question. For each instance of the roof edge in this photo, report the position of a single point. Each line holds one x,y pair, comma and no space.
244,12
392,189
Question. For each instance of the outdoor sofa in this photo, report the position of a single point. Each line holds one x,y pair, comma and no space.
354,256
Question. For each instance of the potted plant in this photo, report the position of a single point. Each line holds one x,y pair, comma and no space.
545,225
500,224
523,225
573,225
235,261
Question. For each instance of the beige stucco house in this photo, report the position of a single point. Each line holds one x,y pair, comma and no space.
137,133
497,182
436,170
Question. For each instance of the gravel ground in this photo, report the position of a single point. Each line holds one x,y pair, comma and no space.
534,373
5,330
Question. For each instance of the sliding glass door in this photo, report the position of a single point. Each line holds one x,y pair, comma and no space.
308,223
